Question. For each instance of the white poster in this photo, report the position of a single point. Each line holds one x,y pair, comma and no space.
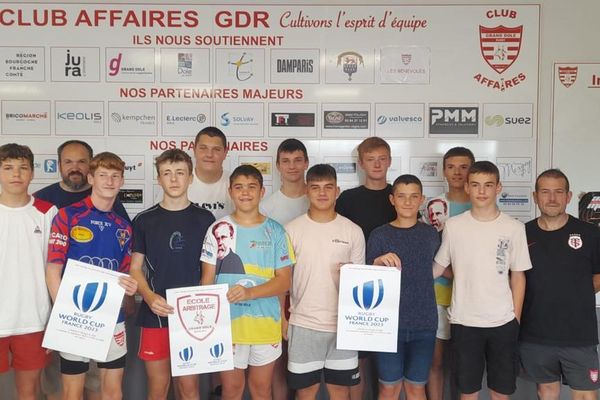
200,330
368,308
405,64
85,312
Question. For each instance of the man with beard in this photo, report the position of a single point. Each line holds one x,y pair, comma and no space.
73,159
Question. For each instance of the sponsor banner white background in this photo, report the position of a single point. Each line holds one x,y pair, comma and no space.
79,118
305,70
399,120
179,119
200,340
515,199
368,306
75,64
85,327
139,71
506,121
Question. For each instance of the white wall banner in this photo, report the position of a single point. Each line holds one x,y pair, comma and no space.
368,308
200,330
85,313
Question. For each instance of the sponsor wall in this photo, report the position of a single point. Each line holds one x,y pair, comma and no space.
139,79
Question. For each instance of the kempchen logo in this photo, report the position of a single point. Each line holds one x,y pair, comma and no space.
91,297
186,354
116,117
368,296
217,350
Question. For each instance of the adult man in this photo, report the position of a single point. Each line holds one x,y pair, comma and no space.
455,201
559,329
488,253
108,246
165,240
24,302
74,164
323,240
210,183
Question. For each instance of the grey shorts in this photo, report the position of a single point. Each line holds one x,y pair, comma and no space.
574,366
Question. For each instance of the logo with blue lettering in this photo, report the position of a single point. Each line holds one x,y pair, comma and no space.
217,350
225,121
91,297
186,354
368,295
50,166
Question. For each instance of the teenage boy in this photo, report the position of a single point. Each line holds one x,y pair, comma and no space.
410,245
108,246
252,254
455,201
210,182
290,200
488,253
369,206
166,241
559,332
323,241
24,302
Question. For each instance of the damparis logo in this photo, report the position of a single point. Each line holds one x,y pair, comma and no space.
567,76
217,350
500,47
91,297
368,295
186,354
575,241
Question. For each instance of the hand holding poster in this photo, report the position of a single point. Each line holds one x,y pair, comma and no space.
368,306
85,312
200,330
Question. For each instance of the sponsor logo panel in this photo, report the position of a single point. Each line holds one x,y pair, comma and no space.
22,64
293,120
132,118
25,117
129,64
179,119
134,166
185,65
350,66
45,166
507,120
240,119
453,120
75,64
240,66
399,119
79,118
515,198
405,64
295,66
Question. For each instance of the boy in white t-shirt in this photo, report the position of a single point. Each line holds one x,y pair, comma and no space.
24,301
323,240
488,253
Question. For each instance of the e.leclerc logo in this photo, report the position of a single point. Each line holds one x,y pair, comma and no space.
91,297
368,296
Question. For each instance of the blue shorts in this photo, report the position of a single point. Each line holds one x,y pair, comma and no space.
412,360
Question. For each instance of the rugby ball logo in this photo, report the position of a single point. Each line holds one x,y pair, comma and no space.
368,295
217,350
91,297
186,354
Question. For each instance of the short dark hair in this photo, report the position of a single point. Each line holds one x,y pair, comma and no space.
407,179
60,148
458,152
246,170
485,167
372,143
319,172
13,151
171,156
290,146
552,173
212,131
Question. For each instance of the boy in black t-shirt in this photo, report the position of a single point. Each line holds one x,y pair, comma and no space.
167,240
559,331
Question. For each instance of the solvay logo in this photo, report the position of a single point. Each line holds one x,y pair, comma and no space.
225,121
91,297
217,350
368,295
186,354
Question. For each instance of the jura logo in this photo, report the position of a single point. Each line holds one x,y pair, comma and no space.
368,295
91,297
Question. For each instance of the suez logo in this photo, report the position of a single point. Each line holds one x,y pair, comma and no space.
186,354
292,119
91,297
368,295
398,119
79,116
499,120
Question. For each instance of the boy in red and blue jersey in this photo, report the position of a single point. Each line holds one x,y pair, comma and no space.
90,231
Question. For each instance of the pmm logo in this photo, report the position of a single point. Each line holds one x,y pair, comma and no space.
217,350
368,296
91,297
186,354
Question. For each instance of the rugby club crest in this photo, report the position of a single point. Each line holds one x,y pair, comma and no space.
350,60
567,76
500,46
575,241
199,314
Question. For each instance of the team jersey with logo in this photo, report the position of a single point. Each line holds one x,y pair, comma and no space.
171,242
84,233
435,213
24,300
250,256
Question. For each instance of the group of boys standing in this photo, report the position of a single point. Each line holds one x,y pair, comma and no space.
212,227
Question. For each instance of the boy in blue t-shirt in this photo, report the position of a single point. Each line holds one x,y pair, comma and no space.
254,256
410,245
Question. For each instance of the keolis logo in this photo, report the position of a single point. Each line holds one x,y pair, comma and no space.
186,354
368,295
91,297
217,350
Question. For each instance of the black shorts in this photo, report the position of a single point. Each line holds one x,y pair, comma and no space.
69,367
477,349
575,366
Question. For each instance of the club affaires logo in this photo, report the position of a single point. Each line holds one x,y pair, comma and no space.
500,46
368,295
186,354
567,76
91,297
